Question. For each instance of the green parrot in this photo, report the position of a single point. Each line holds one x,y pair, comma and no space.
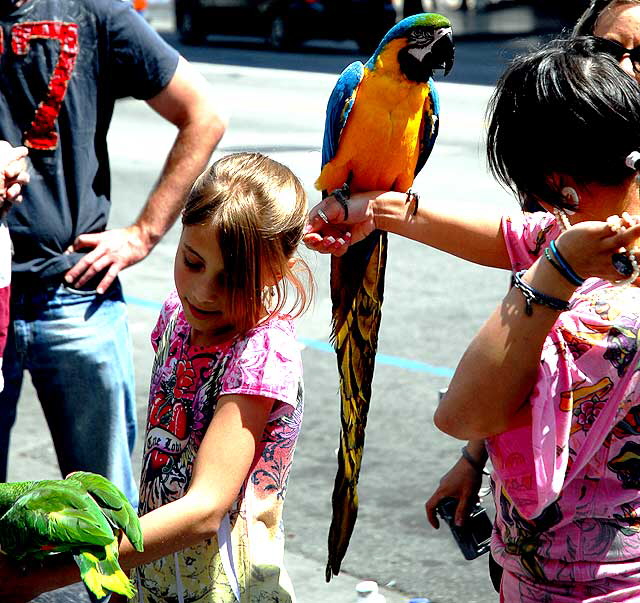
83,514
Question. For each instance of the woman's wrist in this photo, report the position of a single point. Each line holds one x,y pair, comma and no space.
544,277
389,210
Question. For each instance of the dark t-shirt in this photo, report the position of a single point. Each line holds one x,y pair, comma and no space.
63,64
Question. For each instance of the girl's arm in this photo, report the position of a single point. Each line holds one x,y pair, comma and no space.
489,389
221,466
473,235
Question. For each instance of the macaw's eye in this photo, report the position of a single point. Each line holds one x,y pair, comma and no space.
420,35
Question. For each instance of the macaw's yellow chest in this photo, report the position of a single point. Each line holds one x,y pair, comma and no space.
380,144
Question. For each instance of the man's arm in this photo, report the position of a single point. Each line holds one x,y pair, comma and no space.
185,102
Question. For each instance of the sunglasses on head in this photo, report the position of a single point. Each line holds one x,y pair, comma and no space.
618,51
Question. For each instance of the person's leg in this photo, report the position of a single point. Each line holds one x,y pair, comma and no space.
82,368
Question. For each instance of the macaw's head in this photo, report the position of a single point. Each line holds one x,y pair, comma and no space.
426,45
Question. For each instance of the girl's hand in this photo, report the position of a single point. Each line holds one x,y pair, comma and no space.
588,247
339,232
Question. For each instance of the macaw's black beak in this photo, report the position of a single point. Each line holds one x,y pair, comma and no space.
443,53
419,61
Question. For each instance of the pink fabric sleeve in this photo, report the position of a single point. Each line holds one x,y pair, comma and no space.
267,363
526,235
571,417
531,462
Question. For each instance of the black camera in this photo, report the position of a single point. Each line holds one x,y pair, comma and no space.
474,535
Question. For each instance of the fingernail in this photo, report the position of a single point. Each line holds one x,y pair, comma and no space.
67,278
341,241
307,228
329,241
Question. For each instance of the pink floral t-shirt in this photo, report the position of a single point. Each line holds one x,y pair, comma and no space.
567,487
245,561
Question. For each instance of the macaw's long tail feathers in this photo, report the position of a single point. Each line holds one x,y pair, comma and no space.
101,572
358,277
357,286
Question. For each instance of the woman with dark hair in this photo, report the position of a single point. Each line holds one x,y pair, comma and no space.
550,381
616,26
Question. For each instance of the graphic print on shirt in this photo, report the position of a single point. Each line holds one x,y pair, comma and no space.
42,134
585,402
528,539
178,417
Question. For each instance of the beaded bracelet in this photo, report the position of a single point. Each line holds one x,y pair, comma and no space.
562,265
533,296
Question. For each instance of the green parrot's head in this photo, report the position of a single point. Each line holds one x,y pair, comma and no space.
428,45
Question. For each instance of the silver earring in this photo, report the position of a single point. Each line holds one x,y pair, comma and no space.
570,193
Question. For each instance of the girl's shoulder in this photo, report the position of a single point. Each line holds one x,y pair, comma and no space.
275,334
266,361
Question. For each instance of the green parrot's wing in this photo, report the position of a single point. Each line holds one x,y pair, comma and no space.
54,517
113,503
101,572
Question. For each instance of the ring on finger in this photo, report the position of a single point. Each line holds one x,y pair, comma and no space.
622,263
323,216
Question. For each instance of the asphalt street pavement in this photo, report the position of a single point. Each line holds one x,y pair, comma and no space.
432,308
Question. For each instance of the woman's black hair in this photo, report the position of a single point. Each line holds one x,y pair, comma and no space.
564,109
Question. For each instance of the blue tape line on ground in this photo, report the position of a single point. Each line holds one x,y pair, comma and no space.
323,346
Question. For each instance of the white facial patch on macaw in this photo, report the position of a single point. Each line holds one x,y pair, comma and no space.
419,52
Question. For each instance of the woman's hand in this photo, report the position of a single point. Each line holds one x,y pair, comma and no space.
461,482
588,247
339,231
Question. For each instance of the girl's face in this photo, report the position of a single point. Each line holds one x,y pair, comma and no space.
621,24
200,281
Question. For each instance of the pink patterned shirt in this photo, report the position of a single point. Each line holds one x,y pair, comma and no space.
245,561
567,487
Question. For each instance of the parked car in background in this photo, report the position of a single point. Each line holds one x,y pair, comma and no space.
286,24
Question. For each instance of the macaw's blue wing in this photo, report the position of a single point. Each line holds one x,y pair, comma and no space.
430,125
338,108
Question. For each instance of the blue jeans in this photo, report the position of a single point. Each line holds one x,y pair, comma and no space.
77,348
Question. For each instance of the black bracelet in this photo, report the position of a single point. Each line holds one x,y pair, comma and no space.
533,296
562,265
477,465
549,255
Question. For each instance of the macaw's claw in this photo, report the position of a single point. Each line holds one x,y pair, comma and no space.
413,197
342,195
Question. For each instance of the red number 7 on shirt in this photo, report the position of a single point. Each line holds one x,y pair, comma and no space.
42,134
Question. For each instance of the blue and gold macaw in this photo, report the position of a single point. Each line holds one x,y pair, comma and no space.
381,125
